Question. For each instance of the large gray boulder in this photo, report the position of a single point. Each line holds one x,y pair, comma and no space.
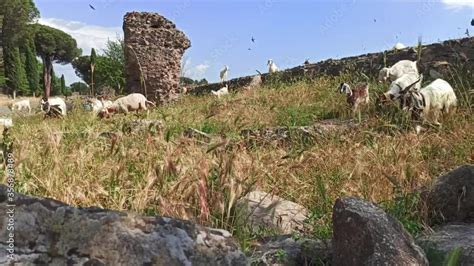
446,240
451,198
363,234
48,232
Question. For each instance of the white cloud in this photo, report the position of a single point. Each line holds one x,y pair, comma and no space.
196,71
457,4
68,72
87,37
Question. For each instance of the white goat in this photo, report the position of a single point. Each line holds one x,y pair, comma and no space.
6,122
131,102
20,105
434,98
106,103
223,73
58,102
272,67
399,46
222,91
403,82
96,105
397,70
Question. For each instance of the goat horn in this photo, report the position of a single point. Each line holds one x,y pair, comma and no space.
413,84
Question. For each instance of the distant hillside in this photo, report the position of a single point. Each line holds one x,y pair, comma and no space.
435,62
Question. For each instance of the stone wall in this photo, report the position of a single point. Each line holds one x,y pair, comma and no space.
434,63
153,51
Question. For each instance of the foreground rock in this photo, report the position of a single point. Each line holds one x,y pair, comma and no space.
445,240
48,232
288,250
451,198
363,234
153,51
263,210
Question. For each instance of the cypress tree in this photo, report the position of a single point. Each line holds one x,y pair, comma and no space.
63,85
14,71
31,67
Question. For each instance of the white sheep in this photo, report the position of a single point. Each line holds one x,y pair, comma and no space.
399,46
397,70
403,82
58,102
20,105
125,104
223,73
222,91
438,96
272,67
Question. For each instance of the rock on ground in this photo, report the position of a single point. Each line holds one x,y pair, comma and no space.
288,250
263,210
443,242
48,232
153,51
363,234
451,198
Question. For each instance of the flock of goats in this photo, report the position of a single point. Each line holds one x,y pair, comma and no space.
405,88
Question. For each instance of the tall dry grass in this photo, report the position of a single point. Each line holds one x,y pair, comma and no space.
165,173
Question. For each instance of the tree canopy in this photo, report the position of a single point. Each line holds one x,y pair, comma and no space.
108,67
53,46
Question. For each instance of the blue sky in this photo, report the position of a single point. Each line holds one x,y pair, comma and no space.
286,31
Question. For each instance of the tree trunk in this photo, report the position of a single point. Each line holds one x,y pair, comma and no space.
92,80
47,68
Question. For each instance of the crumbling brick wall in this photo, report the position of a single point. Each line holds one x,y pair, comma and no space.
153,51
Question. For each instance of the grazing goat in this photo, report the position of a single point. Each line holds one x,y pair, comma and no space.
106,103
272,67
131,102
222,91
96,105
223,73
397,70
57,103
20,105
406,80
6,122
436,97
357,96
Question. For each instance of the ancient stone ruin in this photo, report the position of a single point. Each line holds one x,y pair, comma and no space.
153,51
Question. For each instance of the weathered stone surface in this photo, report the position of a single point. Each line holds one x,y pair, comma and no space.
48,232
153,50
445,240
439,57
451,198
263,210
288,250
363,234
287,134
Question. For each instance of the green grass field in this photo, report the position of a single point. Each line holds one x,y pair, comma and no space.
164,173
